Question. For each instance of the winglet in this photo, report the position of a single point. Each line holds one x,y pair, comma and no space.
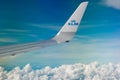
70,27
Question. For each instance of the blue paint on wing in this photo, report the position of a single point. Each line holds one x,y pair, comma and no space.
73,23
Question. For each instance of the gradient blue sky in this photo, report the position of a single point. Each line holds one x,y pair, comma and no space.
97,38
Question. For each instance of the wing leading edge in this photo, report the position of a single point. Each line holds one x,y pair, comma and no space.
64,35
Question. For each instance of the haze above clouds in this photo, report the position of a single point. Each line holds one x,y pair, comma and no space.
93,71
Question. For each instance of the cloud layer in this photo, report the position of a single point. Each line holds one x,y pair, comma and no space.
113,3
93,71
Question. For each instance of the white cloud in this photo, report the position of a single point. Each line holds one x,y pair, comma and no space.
16,30
8,40
113,3
45,26
33,35
93,71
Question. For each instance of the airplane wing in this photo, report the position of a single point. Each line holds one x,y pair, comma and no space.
64,35
22,48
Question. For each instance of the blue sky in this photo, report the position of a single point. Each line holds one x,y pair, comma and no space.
97,38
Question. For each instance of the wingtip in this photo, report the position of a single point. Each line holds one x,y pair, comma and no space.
85,2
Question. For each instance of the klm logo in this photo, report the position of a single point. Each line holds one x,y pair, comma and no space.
73,23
